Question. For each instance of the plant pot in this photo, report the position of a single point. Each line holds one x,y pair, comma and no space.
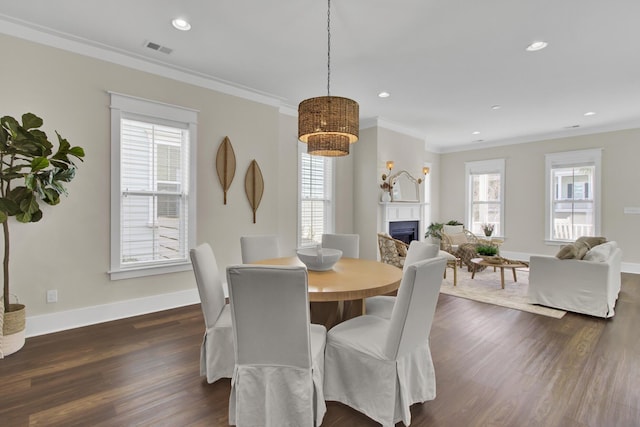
13,329
488,233
386,197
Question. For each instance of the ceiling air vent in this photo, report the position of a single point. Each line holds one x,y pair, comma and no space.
159,48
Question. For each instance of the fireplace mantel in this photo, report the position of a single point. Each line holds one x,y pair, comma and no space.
402,211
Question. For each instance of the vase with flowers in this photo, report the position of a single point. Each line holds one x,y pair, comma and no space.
386,190
488,229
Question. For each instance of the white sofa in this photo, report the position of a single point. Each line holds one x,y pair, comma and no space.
589,285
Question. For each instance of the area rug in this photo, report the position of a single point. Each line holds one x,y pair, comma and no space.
485,287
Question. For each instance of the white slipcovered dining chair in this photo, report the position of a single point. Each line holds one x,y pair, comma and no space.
382,305
216,352
259,247
349,244
381,367
279,356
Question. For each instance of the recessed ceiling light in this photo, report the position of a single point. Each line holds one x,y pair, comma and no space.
496,107
537,46
476,132
181,24
384,95
590,113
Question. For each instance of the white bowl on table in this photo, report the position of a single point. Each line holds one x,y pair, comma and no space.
319,259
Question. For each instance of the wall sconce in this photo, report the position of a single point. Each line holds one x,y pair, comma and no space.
390,164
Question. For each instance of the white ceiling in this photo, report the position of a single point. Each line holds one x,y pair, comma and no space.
445,62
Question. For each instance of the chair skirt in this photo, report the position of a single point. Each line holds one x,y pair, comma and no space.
382,389
217,358
280,396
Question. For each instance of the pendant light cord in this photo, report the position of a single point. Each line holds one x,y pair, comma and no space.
328,47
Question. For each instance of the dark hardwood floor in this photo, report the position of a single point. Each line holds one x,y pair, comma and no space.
494,367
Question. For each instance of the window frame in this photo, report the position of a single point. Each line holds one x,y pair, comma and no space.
130,107
329,208
426,198
483,167
568,159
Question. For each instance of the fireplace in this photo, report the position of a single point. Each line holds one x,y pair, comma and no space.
406,231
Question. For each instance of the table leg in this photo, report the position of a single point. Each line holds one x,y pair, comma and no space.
473,273
515,279
455,274
353,309
502,277
325,313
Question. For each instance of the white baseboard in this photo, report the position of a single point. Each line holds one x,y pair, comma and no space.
63,320
625,267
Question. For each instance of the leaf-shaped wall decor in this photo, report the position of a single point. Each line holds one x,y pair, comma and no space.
225,165
254,186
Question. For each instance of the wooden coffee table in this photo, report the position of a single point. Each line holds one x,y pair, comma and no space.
511,264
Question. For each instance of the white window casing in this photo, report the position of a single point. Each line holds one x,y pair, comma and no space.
153,187
572,195
490,205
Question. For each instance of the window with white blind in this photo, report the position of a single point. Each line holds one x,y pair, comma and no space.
485,196
315,210
152,207
573,195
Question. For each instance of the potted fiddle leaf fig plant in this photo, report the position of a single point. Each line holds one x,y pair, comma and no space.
30,172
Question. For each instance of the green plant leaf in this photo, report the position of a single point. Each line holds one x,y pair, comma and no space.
64,175
9,207
77,152
30,181
31,121
39,163
3,216
23,217
51,197
29,204
36,216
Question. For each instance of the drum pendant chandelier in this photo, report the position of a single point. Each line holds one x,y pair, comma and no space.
328,124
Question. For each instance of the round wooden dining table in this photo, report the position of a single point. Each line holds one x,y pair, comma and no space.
338,294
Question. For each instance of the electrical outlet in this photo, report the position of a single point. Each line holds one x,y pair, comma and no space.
52,296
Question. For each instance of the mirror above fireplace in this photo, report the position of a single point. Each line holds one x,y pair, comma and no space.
405,188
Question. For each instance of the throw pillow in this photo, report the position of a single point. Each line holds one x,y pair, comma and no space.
567,252
585,243
458,239
580,247
600,253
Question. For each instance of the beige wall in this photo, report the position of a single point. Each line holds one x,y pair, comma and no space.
366,194
69,249
525,193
